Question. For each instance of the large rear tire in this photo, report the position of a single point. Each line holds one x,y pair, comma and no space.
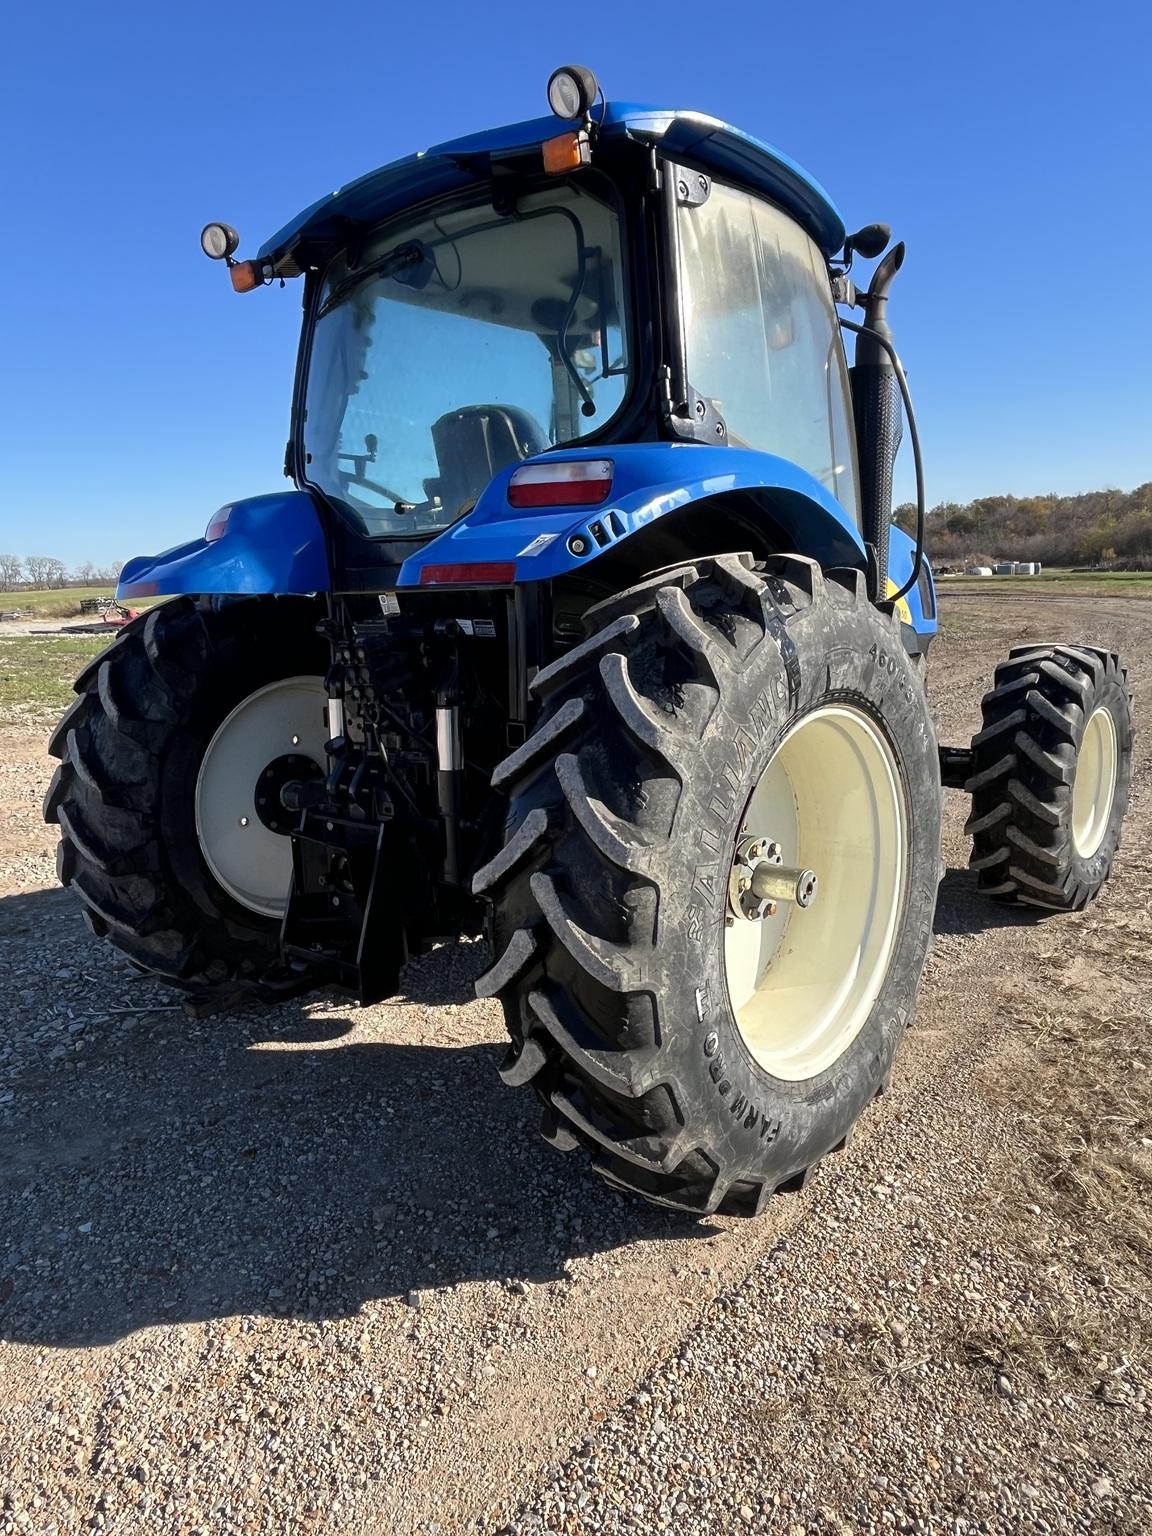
715,701
1050,776
182,887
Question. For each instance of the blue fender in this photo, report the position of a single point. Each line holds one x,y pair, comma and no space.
921,599
649,481
264,544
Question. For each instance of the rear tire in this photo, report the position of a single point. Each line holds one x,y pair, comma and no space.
1050,776
609,900
125,793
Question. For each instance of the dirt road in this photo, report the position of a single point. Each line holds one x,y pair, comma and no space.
310,1270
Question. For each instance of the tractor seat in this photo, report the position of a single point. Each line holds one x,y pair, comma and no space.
475,443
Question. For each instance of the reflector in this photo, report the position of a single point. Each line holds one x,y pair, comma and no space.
483,573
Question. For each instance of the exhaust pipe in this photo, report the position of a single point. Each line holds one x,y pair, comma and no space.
876,401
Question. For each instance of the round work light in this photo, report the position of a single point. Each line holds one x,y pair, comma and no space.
571,90
218,241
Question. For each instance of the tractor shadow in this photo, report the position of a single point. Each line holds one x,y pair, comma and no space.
961,909
176,1170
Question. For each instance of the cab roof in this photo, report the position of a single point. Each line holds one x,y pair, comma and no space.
690,136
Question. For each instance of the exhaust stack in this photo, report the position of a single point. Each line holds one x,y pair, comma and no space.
876,405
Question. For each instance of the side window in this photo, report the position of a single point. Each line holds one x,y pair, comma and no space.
762,339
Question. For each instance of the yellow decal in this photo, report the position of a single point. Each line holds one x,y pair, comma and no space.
902,607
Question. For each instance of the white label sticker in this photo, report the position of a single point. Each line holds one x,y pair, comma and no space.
538,545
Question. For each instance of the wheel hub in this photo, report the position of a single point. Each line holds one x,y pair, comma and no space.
291,768
760,880
271,738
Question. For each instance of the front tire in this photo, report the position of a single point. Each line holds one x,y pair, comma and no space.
144,840
1050,776
611,900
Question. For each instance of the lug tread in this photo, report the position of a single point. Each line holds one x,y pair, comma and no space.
516,957
559,671
519,847
532,753
522,1062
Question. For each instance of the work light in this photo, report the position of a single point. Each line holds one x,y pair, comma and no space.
571,90
218,241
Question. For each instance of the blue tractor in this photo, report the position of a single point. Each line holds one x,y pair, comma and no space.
585,625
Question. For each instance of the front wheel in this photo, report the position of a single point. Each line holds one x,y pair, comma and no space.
1050,776
715,897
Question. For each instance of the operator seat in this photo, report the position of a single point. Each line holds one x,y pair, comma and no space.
473,444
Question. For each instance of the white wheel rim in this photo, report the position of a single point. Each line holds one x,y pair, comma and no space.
1094,785
251,862
803,982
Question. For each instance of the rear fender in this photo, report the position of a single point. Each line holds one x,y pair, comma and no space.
650,480
918,605
264,544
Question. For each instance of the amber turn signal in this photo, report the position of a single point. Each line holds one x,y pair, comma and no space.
245,276
566,152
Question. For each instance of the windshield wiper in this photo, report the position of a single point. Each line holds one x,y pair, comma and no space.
414,254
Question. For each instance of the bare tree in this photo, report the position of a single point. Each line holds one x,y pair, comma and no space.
55,574
36,568
10,569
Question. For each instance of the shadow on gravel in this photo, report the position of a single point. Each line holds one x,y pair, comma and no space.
960,909
175,1170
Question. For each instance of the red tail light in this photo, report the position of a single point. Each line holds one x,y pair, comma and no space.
579,483
485,573
218,527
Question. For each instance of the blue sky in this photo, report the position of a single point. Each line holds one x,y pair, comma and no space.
1007,143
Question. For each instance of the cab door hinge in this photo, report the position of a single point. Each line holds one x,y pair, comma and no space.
692,187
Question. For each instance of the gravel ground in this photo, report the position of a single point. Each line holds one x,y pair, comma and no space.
309,1270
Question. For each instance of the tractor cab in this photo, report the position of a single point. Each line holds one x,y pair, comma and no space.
541,292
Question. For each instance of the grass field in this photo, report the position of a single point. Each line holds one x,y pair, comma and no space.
36,673
58,603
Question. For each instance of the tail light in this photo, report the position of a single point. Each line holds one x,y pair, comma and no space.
578,483
218,527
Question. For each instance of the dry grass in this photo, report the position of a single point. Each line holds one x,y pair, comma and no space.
1082,1090
1076,1196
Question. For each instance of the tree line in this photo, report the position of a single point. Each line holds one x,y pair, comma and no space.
44,572
1097,528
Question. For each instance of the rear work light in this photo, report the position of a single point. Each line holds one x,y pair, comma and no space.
483,573
580,483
